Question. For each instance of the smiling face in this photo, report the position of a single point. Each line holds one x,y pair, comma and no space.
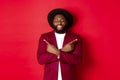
59,23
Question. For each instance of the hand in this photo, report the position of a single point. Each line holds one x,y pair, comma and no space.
51,48
69,46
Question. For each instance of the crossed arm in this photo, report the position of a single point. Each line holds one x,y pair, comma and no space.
47,52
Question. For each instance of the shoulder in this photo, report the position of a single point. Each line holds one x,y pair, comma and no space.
73,34
47,33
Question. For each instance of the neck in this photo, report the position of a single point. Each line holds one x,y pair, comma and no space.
61,32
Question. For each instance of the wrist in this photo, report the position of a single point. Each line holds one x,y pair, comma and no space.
58,52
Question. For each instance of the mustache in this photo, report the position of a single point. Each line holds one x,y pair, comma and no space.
60,31
63,30
59,25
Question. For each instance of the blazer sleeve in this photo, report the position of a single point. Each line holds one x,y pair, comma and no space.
73,57
43,56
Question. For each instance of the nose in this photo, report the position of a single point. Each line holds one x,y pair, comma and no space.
59,22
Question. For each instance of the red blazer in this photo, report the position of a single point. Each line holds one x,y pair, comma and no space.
67,60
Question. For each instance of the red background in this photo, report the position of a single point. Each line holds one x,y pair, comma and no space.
23,21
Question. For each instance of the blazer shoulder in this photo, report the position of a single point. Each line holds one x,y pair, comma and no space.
73,33
47,33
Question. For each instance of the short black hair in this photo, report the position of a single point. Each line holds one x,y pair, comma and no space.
64,12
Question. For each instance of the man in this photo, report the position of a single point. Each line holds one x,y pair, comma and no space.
59,49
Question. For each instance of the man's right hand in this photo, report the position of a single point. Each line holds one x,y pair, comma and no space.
69,46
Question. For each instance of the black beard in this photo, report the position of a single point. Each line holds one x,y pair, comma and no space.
60,31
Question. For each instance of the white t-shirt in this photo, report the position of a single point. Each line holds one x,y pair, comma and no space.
60,40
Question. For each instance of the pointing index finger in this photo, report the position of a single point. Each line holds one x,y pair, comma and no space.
46,41
73,41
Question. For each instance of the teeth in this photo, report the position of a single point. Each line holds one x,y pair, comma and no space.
59,27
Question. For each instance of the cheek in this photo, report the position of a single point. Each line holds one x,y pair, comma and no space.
55,24
63,23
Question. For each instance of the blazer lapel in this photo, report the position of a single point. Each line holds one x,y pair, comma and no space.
66,38
53,39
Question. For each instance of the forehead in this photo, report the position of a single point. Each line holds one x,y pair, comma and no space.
59,16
